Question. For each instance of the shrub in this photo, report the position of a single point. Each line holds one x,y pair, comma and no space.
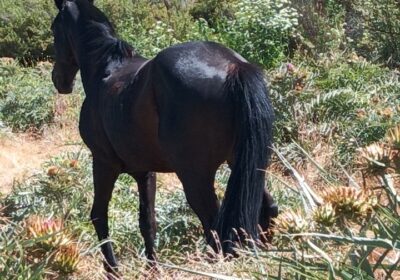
320,25
69,191
260,30
212,11
25,29
26,97
149,28
25,25
339,240
381,29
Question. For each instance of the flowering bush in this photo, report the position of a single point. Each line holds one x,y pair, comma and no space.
260,29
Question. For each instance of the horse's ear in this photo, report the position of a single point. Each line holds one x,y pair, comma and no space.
60,4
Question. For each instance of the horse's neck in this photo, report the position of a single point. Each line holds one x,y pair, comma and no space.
89,77
99,52
93,68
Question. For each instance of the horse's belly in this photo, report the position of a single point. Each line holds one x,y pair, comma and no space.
140,153
138,161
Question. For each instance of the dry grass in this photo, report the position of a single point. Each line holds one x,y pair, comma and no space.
21,155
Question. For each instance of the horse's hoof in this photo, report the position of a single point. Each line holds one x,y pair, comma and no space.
152,262
111,270
229,250
112,276
152,272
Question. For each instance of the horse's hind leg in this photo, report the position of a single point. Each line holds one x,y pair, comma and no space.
104,177
200,194
147,189
269,210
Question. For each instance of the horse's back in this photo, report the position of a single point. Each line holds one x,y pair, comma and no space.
197,65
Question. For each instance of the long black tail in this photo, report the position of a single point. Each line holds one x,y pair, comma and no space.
254,116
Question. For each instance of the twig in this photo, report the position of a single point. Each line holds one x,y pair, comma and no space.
313,199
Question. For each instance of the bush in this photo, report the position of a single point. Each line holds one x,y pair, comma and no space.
212,11
260,30
26,97
320,25
25,25
64,188
381,29
25,29
149,28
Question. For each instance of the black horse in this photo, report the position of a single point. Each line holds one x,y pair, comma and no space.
187,110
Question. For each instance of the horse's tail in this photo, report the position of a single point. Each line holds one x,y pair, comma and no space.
253,119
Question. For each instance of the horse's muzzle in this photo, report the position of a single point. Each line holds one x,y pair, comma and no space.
62,86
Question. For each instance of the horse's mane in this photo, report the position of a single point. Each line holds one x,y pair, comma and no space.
101,41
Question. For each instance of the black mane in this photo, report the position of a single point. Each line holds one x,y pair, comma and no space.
99,38
102,43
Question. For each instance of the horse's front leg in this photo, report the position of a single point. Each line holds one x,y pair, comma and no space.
147,190
104,177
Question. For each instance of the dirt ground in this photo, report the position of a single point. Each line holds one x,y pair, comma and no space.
21,155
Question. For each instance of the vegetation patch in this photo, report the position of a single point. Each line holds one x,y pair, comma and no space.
26,96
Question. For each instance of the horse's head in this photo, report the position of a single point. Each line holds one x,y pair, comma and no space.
66,64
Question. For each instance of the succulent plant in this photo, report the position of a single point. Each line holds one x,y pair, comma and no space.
377,156
325,215
347,200
291,222
386,113
393,137
73,163
53,171
67,258
49,232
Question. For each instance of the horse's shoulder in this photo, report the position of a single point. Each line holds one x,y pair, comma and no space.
121,75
